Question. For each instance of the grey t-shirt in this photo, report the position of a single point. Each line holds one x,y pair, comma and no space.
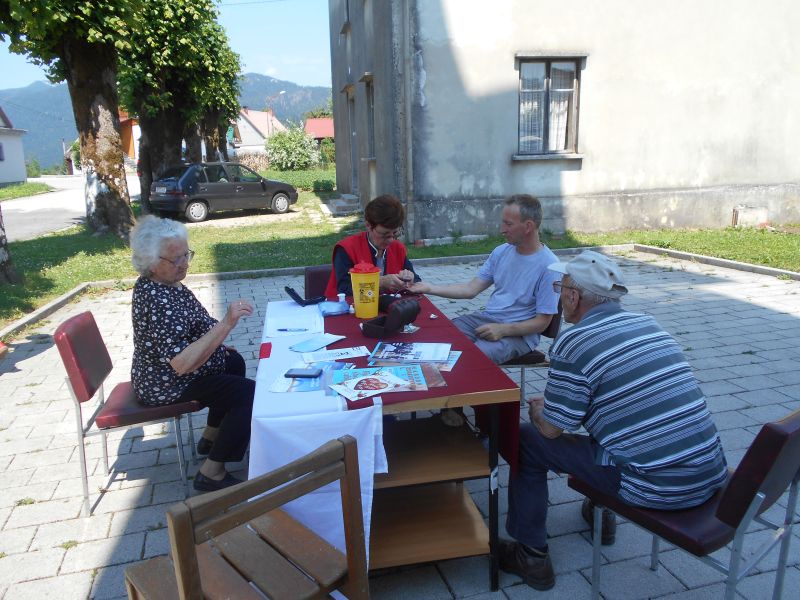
523,285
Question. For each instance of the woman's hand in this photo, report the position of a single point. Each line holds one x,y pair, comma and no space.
236,310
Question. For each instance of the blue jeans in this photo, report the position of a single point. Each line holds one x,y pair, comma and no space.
527,494
498,352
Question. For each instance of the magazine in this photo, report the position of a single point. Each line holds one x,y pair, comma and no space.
413,376
441,366
410,352
365,386
311,384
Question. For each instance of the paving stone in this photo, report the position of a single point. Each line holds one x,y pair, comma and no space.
14,541
76,585
573,585
628,579
44,512
109,583
469,577
147,518
102,553
409,584
156,543
709,592
690,571
760,586
16,568
83,529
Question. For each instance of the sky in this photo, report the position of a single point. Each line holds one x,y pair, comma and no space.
285,39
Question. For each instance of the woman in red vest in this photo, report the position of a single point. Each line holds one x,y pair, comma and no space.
379,245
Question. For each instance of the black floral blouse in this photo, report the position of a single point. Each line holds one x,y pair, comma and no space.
166,319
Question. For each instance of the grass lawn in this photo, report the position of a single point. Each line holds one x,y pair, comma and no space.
55,264
18,190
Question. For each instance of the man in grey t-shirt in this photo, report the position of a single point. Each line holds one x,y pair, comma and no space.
523,301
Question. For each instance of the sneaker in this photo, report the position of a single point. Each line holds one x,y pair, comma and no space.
537,572
609,527
206,484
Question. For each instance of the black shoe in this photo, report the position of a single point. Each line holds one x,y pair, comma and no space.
204,446
206,484
537,572
609,527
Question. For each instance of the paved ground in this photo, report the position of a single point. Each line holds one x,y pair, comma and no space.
33,216
738,329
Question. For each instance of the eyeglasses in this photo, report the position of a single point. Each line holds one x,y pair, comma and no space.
183,258
557,285
388,235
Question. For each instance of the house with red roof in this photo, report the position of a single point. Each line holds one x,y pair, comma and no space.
319,128
253,128
12,155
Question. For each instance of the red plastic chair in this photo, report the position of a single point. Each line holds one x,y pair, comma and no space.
88,363
770,466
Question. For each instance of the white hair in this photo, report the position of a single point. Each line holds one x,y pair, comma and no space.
148,238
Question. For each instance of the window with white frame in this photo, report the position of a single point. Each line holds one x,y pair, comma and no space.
548,105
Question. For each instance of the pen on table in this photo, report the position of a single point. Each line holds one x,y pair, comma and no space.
292,329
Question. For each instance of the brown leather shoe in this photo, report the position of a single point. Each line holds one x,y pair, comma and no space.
536,572
608,533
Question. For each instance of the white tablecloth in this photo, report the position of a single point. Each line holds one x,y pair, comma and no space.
285,426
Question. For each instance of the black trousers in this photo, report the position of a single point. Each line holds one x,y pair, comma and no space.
229,398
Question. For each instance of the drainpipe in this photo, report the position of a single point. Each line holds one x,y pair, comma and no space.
408,99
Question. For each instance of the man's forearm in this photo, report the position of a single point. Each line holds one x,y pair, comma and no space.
535,325
546,428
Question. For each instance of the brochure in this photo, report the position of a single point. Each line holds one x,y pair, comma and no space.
442,366
289,384
413,376
409,352
315,342
335,354
365,386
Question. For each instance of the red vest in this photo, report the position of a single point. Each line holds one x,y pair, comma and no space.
358,249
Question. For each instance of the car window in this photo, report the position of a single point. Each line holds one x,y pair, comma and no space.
173,173
240,173
215,174
191,177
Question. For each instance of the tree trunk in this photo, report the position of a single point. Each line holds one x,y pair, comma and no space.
211,134
194,151
8,274
91,73
145,173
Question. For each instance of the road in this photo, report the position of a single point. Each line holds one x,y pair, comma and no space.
33,216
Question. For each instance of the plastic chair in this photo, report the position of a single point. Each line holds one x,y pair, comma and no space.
316,280
770,466
237,543
535,358
88,363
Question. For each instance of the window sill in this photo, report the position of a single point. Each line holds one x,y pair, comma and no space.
535,157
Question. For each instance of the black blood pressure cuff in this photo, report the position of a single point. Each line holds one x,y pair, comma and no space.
399,313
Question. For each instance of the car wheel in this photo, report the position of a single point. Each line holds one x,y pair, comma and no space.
196,211
280,203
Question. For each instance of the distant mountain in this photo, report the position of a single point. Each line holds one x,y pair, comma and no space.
45,110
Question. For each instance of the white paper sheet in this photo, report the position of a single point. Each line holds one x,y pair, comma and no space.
287,318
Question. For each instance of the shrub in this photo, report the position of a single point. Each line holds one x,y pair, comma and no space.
292,150
315,180
327,148
75,151
258,161
33,168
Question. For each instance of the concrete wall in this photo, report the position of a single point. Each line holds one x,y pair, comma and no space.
12,167
685,110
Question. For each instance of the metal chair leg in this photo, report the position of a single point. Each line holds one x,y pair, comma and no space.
788,520
596,541
654,554
181,456
192,446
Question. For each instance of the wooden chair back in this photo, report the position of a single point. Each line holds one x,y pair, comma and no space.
228,540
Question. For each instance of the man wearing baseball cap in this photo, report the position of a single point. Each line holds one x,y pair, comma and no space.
651,441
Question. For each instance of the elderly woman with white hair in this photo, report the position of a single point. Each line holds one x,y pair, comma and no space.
178,353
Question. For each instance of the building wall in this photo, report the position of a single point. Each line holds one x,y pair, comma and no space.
12,167
685,109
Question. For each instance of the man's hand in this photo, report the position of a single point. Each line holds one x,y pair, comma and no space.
491,332
546,428
420,287
393,282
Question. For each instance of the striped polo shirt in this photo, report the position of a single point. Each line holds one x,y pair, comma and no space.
625,380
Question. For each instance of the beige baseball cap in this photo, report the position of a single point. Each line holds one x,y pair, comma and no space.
594,272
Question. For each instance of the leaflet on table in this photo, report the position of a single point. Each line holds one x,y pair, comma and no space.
339,354
315,342
310,384
412,375
410,352
365,386
441,366
286,317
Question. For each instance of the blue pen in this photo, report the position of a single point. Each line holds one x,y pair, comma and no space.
292,329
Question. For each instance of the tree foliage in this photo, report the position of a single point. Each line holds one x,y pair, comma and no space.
77,41
292,150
